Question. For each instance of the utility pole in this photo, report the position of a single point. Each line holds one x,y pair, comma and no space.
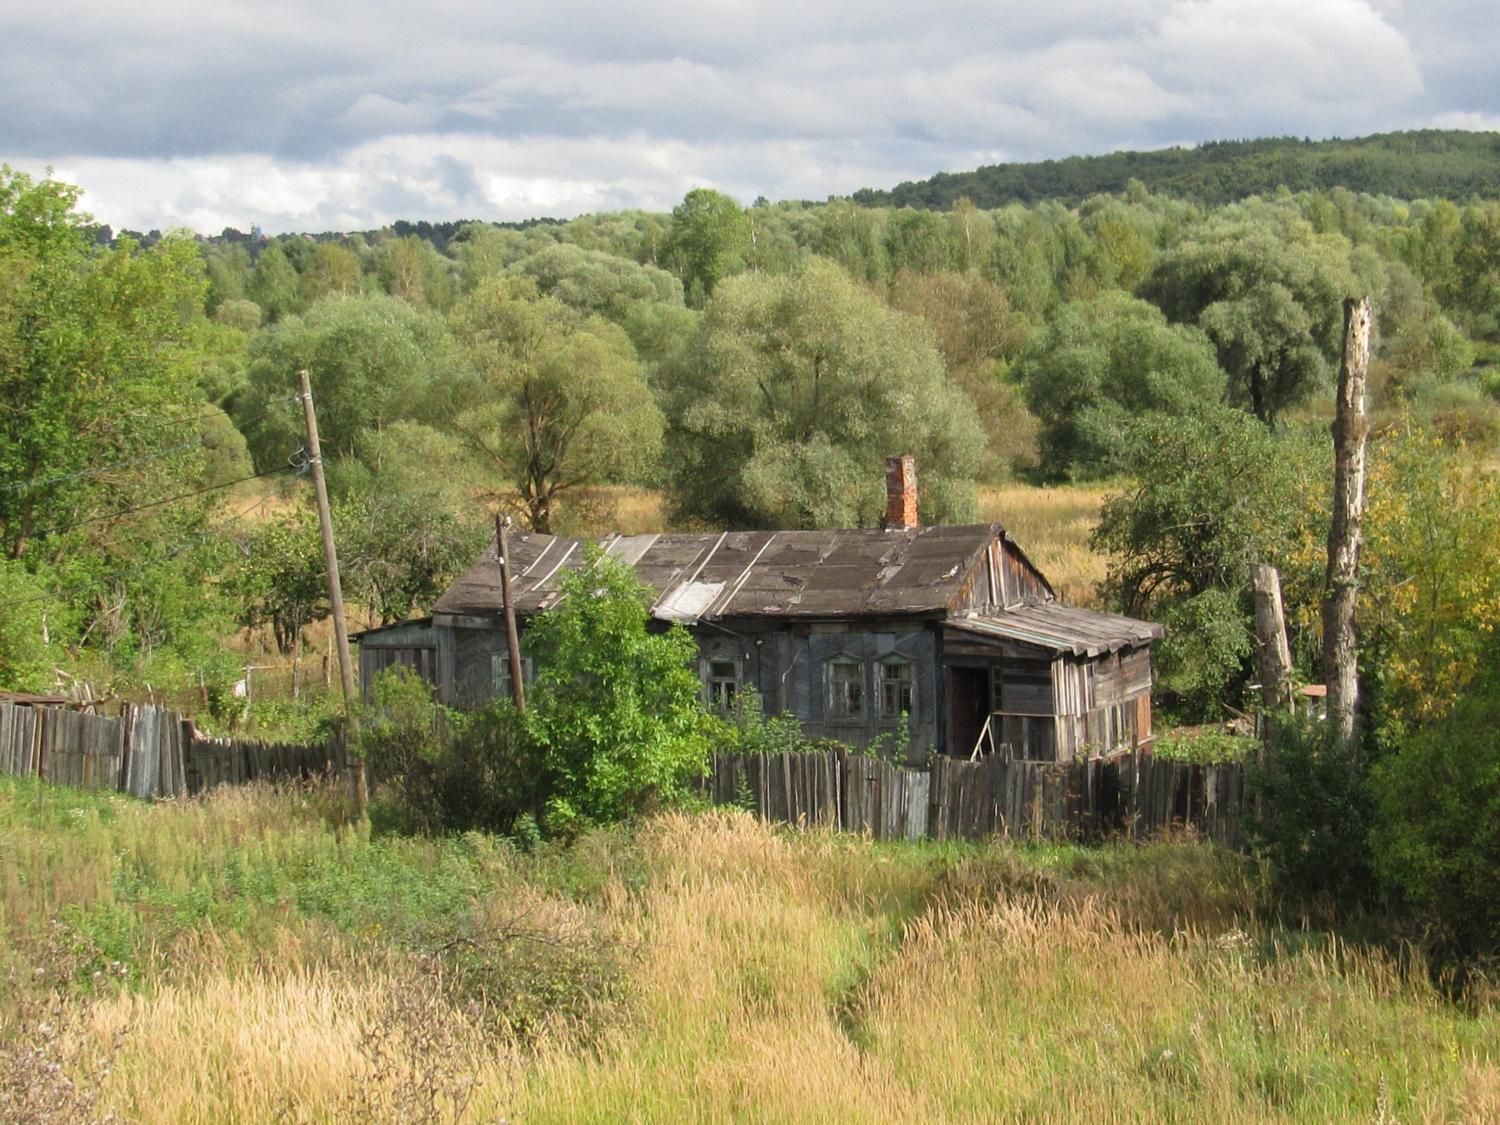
1341,589
512,640
335,599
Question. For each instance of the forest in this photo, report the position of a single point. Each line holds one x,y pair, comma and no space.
1419,164
751,367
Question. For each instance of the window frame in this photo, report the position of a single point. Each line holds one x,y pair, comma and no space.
840,701
906,684
712,683
500,681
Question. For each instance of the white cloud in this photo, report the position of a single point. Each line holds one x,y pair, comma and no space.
304,115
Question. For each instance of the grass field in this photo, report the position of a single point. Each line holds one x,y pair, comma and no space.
248,958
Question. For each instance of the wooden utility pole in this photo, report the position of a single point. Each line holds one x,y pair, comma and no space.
512,639
1341,587
357,783
1270,629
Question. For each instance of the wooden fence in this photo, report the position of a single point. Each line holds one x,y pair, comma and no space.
148,751
1134,796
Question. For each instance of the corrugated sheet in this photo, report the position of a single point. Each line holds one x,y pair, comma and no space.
1061,628
866,572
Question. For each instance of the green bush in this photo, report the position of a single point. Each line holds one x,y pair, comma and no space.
615,712
614,725
444,771
1437,834
1314,826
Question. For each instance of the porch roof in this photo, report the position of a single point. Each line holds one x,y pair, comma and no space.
1062,628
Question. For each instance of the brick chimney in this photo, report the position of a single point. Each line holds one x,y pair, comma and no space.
901,492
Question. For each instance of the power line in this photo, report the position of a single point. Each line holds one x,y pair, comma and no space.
172,554
148,457
154,504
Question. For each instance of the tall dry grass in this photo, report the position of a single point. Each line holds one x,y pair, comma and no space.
1053,525
732,972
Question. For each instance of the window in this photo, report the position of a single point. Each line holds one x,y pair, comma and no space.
723,684
500,674
895,689
846,689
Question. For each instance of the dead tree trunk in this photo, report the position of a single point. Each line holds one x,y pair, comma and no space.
1341,587
1270,628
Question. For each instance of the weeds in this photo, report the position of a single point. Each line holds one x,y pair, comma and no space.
695,967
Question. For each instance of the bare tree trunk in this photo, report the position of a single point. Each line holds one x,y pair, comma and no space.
1341,588
1270,628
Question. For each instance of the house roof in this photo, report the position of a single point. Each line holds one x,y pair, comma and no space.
1062,628
873,572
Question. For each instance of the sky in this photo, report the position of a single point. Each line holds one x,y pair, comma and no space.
310,115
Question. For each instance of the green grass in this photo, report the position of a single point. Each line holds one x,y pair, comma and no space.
250,957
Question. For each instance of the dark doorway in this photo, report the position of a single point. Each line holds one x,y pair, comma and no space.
971,707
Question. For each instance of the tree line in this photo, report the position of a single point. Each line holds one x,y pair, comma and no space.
1416,164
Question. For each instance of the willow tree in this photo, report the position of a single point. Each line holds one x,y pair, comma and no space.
1270,298
794,390
559,403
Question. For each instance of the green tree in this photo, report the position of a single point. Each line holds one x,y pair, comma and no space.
615,707
26,657
372,361
333,271
275,284
93,364
406,518
1102,364
277,578
977,331
920,241
792,394
1212,494
850,236
1270,299
645,301
560,404
597,282
707,242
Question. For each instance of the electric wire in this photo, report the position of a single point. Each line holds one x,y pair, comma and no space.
52,595
154,504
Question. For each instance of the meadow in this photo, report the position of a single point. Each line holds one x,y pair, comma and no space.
251,957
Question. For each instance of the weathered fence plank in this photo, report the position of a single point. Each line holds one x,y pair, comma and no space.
1136,796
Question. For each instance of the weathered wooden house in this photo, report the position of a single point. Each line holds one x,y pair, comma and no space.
928,639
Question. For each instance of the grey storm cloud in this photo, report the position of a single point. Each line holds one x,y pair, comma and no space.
319,112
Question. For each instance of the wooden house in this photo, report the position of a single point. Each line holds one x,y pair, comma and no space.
905,639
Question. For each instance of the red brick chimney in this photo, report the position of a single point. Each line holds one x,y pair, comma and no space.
901,492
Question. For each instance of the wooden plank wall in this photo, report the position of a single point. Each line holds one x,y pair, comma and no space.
1132,796
148,752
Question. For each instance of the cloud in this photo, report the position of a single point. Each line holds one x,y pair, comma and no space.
254,111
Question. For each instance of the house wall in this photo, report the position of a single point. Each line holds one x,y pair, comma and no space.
787,664
790,665
411,644
1045,706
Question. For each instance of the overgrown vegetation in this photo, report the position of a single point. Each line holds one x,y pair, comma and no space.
246,956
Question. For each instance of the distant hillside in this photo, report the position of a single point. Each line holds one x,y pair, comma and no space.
1430,163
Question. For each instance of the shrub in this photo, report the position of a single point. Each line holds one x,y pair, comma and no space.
446,771
615,712
1437,835
1315,822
